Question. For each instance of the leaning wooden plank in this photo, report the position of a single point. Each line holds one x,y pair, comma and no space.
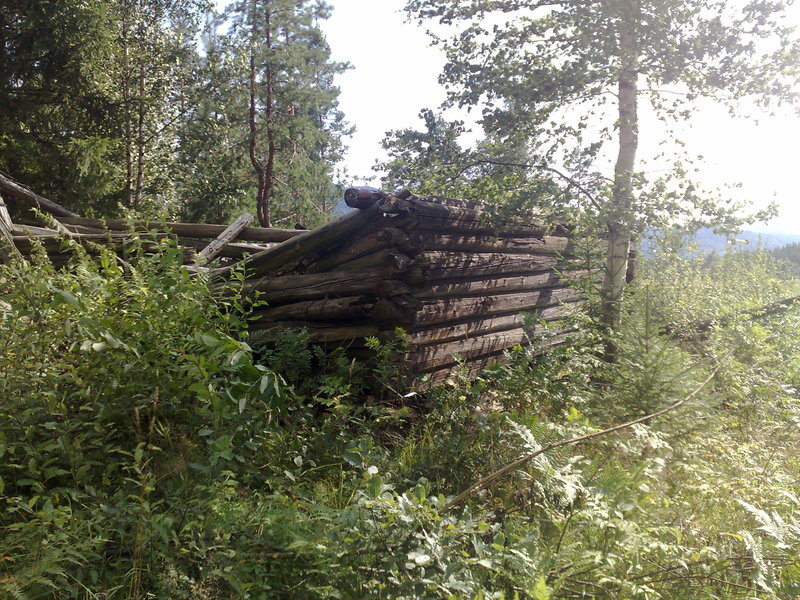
231,250
390,237
7,246
5,218
12,188
451,310
315,241
482,325
190,230
227,235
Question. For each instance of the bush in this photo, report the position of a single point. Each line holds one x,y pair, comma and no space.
124,395
146,453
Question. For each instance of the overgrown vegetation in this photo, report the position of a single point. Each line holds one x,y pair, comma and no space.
148,452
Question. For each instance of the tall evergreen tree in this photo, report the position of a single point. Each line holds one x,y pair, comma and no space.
56,100
91,95
155,88
293,126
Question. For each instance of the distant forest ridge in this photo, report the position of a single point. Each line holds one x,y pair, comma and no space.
706,241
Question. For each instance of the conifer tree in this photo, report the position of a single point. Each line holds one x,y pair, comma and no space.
55,96
293,127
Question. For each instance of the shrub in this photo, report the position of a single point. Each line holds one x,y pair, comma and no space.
124,395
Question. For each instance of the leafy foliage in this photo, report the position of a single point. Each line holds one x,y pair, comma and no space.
122,393
146,453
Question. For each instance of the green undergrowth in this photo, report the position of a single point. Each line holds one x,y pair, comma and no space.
148,451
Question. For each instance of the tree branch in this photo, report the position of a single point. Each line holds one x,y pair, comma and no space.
514,465
543,167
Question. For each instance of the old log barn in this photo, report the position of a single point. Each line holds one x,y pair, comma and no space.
460,286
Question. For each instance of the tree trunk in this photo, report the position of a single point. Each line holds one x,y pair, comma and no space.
619,234
269,170
126,100
265,173
252,146
140,141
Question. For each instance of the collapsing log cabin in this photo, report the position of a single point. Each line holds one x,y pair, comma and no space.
458,285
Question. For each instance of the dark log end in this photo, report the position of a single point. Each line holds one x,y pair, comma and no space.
362,197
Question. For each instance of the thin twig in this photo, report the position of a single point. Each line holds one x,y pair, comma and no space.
514,465
543,167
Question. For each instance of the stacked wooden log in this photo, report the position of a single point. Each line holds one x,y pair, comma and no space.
59,230
438,268
117,234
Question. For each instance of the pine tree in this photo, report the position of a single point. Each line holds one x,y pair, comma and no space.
293,126
56,104
91,95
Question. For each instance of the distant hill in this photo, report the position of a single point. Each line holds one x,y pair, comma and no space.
708,241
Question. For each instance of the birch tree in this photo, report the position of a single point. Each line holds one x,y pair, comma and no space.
568,78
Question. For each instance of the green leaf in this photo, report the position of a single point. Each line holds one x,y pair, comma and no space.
541,591
374,486
65,297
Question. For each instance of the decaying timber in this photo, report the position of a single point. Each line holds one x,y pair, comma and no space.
439,268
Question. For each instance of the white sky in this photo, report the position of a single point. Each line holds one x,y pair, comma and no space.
394,76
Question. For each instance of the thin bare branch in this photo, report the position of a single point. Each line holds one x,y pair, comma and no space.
514,465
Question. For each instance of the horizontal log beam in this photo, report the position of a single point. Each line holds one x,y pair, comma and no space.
548,245
444,265
453,310
25,221
387,259
291,288
25,243
482,285
483,325
491,344
318,332
189,230
467,217
348,308
437,375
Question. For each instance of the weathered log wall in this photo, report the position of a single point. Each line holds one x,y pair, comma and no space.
438,268
459,285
